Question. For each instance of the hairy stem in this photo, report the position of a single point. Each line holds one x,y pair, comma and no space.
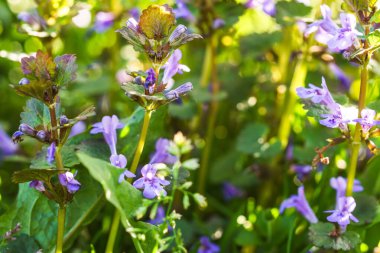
214,106
135,162
61,228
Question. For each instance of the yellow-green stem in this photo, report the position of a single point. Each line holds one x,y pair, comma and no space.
287,118
355,145
202,176
135,162
61,228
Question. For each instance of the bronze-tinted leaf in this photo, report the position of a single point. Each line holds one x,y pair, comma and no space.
156,21
28,175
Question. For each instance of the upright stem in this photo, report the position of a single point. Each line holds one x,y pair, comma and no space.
212,116
61,228
135,162
355,146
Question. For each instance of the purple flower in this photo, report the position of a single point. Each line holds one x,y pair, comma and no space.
38,185
218,23
367,121
161,155
24,81
150,81
108,127
42,136
150,182
181,90
230,191
300,203
318,95
340,185
7,146
135,13
335,37
207,246
33,19
346,36
103,21
27,130
50,154
302,171
77,128
267,6
160,215
67,179
344,80
343,213
173,67
183,12
16,137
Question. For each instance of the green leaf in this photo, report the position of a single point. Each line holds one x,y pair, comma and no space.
320,234
66,69
286,12
191,164
68,156
38,215
36,113
376,17
366,207
186,201
374,37
252,137
28,175
22,243
370,179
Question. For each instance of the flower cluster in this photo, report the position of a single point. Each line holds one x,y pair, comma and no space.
344,38
336,115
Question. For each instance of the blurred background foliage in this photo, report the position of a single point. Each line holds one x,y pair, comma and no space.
260,128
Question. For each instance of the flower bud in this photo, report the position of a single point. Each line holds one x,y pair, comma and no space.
177,33
181,90
63,120
26,129
24,81
17,136
42,135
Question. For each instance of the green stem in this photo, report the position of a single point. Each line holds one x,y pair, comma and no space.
61,228
355,145
202,176
135,162
113,232
287,118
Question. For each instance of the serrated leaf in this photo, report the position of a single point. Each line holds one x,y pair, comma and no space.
66,69
320,234
156,21
191,164
36,113
22,243
28,175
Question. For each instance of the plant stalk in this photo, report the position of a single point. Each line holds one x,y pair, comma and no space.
135,162
61,228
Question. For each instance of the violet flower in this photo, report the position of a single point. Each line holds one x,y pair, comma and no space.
159,218
50,154
181,90
135,13
77,128
24,81
335,37
267,6
173,67
33,19
161,155
150,81
108,127
182,11
340,185
230,191
344,80
343,212
302,171
367,121
207,246
67,179
300,203
103,21
150,182
7,146
218,23
38,185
